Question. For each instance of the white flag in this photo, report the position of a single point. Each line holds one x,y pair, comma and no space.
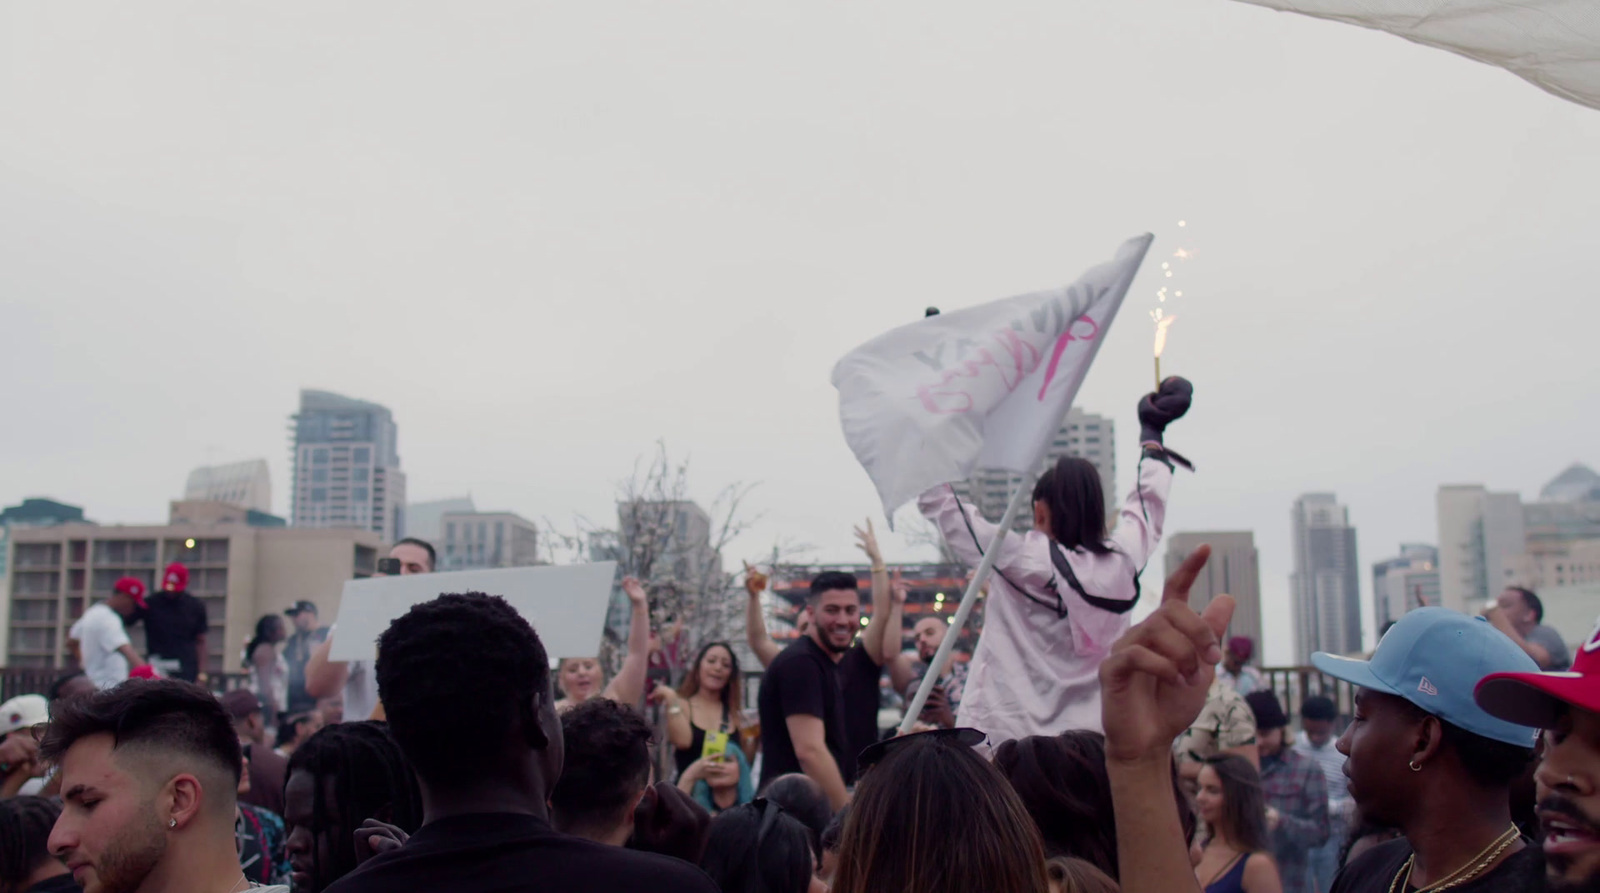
985,387
1551,43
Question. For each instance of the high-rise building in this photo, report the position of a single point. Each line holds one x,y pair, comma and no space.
477,540
239,483
425,520
1082,434
1480,533
33,512
347,466
240,571
1325,586
1234,569
1404,583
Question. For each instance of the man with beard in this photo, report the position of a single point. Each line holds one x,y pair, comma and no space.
1426,759
802,699
1567,706
149,772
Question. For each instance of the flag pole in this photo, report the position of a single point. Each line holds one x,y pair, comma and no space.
941,658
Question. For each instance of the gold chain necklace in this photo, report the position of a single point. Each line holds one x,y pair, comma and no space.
1465,873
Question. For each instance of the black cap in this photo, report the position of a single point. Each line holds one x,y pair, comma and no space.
1269,713
300,606
931,311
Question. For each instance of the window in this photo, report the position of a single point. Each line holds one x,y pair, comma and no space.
319,494
361,455
358,494
319,456
450,532
359,474
319,475
38,554
214,551
33,610
499,532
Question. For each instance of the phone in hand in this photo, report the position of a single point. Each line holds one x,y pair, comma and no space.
389,567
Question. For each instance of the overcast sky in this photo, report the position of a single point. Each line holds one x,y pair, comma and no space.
547,235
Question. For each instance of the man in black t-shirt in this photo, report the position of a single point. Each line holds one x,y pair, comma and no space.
175,625
297,650
465,683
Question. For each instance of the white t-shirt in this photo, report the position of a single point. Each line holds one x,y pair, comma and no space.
100,633
360,689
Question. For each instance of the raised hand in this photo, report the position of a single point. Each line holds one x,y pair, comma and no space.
1154,683
755,582
898,588
635,591
867,541
374,838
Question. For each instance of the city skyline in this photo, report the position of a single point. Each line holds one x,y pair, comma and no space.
1326,583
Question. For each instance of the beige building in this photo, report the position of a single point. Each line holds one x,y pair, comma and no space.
1234,569
478,540
238,570
1572,563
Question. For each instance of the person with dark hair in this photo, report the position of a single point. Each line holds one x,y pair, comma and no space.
1063,592
259,836
834,625
297,651
899,834
71,684
21,770
355,680
606,772
267,768
1236,671
99,639
466,685
175,627
344,778
759,848
295,730
1567,706
1520,615
1318,716
149,771
705,713
268,671
1424,758
805,800
26,865
829,865
1062,782
1236,857
1296,794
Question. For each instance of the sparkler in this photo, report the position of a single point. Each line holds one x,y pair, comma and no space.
1162,321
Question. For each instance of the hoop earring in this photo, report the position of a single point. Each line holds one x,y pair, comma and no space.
1414,766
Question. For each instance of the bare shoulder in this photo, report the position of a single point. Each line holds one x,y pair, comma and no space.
1261,874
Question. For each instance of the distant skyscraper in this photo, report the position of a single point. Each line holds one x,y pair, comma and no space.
476,540
240,483
1082,434
1404,584
1326,584
1480,535
1233,570
425,520
347,466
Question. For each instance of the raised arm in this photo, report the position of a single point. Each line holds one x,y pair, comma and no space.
810,746
627,686
325,678
755,623
873,636
1024,558
1497,618
1154,685
901,671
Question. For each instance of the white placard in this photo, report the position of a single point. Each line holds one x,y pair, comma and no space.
566,605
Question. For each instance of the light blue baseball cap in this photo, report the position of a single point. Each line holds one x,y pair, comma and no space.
1434,658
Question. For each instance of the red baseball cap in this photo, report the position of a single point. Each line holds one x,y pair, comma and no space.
1535,699
176,578
132,588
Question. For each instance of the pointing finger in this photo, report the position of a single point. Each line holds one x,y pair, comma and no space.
1177,588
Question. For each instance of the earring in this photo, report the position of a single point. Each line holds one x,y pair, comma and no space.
172,823
1414,766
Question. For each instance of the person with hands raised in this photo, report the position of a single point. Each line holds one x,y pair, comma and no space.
1153,685
582,678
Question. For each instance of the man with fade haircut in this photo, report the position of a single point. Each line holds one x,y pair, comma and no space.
1567,706
149,771
466,685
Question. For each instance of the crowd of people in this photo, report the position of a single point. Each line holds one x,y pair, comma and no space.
1078,752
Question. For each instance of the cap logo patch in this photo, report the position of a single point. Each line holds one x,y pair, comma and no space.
16,717
1427,687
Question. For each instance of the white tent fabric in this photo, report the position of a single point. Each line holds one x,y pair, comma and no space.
1553,43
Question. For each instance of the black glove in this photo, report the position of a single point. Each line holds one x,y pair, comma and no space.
1162,408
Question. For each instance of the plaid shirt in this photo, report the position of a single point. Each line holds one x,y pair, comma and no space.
1294,786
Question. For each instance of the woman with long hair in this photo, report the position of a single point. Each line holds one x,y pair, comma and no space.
935,817
704,717
1236,857
1062,593
269,672
758,848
